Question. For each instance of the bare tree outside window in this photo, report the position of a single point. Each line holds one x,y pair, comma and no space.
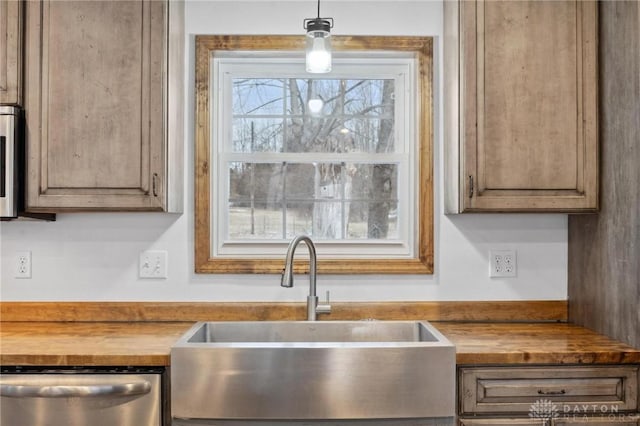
333,199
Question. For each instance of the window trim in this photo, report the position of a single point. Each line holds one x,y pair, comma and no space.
206,48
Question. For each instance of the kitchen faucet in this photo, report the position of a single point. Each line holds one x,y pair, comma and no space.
313,307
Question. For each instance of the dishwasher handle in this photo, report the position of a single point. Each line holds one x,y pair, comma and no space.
67,391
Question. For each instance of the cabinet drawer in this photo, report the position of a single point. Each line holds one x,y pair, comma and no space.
514,390
501,422
560,420
605,420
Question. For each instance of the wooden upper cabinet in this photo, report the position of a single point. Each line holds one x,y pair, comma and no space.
11,14
521,106
96,105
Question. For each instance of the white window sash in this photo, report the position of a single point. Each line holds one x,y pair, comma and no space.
380,66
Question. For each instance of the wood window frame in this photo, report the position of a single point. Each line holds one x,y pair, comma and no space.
206,46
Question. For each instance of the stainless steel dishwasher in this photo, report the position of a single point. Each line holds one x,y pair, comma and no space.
81,397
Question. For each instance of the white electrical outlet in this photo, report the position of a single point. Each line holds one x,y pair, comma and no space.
23,264
502,263
153,264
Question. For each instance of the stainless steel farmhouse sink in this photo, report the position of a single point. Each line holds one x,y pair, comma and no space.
306,371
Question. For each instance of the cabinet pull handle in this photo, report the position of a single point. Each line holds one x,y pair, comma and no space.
543,392
470,186
3,166
67,391
155,185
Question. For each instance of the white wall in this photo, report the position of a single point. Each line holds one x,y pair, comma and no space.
94,257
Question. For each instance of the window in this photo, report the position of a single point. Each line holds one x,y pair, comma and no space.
344,157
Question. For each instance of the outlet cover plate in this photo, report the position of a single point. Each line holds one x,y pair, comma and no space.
502,263
22,264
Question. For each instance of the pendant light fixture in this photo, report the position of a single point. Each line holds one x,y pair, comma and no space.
318,45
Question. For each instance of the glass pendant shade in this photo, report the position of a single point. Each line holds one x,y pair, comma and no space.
318,48
318,44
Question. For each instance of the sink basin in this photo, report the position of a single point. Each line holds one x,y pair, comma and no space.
312,370
306,331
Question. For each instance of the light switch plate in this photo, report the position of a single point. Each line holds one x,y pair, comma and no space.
153,264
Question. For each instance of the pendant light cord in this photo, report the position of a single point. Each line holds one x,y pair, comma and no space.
318,9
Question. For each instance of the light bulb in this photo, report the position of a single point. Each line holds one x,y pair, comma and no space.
318,52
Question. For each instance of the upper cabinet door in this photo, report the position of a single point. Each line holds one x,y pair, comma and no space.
11,52
95,105
521,105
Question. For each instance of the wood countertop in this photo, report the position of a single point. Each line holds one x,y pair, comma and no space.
149,343
534,343
88,343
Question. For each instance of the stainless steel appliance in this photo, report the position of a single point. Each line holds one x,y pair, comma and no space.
81,397
12,167
9,160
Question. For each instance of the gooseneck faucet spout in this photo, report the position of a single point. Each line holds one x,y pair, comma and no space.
287,276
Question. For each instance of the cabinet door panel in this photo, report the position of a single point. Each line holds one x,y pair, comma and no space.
11,52
528,103
94,104
524,101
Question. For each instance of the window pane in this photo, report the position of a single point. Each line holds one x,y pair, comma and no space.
299,219
258,96
252,134
332,181
374,181
326,134
255,220
369,135
321,115
372,221
258,181
369,97
325,200
328,221
313,134
301,91
299,181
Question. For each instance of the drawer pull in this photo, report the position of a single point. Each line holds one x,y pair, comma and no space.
560,392
26,390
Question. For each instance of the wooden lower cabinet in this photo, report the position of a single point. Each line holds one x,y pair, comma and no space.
562,420
501,422
554,395
612,419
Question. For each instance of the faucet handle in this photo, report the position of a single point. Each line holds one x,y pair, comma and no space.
324,308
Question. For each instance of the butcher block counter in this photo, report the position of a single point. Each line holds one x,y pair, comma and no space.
88,343
149,343
142,333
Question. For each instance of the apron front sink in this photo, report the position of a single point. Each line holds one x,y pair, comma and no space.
318,370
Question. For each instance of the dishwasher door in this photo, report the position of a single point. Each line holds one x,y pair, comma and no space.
80,399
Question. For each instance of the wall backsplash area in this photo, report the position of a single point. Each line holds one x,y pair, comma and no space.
94,256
